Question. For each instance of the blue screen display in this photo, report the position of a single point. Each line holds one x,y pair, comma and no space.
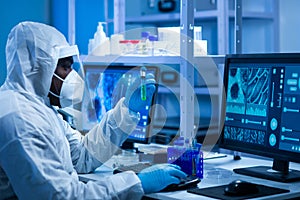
105,87
263,105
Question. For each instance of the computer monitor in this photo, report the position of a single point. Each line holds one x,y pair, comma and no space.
262,111
106,85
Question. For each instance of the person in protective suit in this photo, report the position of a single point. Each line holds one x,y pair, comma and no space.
40,154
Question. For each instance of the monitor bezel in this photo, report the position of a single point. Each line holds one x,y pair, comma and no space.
115,66
240,146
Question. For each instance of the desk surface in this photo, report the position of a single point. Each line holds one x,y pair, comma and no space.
219,172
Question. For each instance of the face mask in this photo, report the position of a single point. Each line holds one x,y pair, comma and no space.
71,90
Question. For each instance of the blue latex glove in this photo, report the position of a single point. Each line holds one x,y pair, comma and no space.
157,177
133,94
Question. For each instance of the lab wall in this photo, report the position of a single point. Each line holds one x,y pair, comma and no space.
88,13
14,11
289,25
52,12
86,18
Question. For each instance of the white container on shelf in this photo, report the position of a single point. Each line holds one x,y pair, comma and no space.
115,48
103,48
171,38
100,44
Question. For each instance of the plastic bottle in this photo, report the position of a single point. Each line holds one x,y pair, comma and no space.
100,35
91,46
101,42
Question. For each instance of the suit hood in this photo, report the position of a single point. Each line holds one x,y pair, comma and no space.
32,53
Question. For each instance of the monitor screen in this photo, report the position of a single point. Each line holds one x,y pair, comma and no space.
262,111
106,85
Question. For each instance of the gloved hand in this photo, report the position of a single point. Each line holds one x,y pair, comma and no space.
157,177
133,94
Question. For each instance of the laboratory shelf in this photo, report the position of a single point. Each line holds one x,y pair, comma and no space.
198,90
254,15
95,60
216,18
134,59
158,18
201,15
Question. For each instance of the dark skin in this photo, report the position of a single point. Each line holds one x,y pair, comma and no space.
63,68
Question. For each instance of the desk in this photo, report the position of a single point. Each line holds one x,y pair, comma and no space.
219,172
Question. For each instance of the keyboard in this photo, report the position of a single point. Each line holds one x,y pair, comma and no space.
136,168
187,183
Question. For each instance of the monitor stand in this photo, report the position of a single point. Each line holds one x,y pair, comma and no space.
279,172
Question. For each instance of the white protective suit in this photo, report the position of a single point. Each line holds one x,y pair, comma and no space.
40,154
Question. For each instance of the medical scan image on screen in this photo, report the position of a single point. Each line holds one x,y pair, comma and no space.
262,105
105,87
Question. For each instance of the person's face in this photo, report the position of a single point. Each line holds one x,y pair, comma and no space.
63,68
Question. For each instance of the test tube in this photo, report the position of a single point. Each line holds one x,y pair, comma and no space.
152,39
143,85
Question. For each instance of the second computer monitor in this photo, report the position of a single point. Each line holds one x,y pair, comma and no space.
262,111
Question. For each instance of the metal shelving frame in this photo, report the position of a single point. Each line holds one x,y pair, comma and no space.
222,14
186,59
187,70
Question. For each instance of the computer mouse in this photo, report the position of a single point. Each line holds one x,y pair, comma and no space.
240,188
